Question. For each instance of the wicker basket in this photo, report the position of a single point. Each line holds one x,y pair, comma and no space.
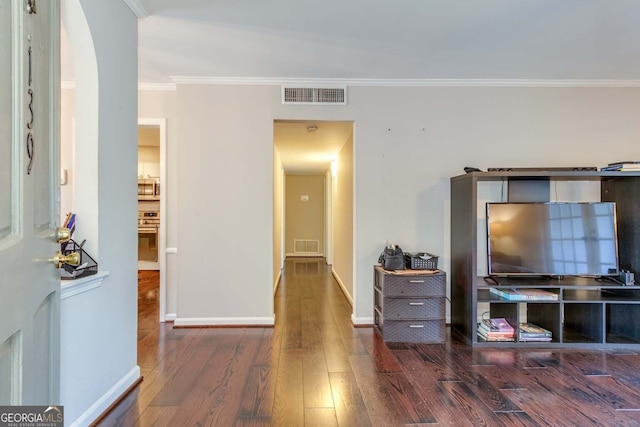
421,261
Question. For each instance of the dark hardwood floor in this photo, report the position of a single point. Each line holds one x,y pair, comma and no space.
314,369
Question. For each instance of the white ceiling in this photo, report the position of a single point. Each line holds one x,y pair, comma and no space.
390,39
304,150
386,41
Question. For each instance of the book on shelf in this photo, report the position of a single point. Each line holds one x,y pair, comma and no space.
523,294
498,324
622,166
532,332
496,339
485,330
496,329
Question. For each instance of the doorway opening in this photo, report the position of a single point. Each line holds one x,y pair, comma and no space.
151,184
313,195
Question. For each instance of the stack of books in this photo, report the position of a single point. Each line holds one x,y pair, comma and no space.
531,332
497,329
623,166
523,294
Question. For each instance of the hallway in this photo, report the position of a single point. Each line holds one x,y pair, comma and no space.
314,369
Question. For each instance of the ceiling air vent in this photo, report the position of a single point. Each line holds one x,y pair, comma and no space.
314,95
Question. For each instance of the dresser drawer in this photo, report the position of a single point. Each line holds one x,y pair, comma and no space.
433,285
426,331
413,308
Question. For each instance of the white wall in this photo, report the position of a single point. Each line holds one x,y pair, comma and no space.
408,143
343,230
225,207
99,327
278,217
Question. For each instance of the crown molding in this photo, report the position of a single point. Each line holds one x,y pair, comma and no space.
137,8
276,81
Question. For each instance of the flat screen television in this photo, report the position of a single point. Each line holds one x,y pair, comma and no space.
552,239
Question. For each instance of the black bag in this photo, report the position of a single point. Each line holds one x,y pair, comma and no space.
392,258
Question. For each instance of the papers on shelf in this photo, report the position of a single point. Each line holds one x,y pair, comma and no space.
524,294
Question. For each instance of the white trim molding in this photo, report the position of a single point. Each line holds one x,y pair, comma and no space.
224,321
108,398
70,288
278,81
344,289
362,321
170,317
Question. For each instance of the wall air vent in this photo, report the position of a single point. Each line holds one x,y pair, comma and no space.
306,247
314,95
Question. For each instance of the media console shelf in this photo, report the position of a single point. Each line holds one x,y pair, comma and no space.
588,312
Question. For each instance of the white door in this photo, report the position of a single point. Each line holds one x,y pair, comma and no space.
29,164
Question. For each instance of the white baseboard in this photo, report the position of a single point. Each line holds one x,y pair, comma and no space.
304,255
363,321
277,283
224,321
101,405
344,289
170,317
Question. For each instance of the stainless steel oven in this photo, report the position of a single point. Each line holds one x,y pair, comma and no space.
148,241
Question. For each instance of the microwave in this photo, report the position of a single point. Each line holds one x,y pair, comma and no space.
148,189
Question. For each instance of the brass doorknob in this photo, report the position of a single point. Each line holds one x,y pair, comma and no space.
62,235
72,259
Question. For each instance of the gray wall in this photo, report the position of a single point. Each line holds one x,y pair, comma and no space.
408,142
99,326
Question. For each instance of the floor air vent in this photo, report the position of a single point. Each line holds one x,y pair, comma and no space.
301,247
314,95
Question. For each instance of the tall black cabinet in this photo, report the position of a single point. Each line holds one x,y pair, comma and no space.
588,312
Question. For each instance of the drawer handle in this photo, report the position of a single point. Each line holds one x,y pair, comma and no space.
416,303
416,281
416,326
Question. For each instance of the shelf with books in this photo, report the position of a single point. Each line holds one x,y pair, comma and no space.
588,312
496,330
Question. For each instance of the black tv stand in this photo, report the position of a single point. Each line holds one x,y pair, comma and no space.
591,312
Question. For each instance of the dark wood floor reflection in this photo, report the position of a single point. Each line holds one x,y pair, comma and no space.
314,369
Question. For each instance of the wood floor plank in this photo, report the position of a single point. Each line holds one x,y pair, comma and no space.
315,378
320,417
216,395
157,416
471,408
349,406
560,399
389,397
288,406
314,368
426,381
